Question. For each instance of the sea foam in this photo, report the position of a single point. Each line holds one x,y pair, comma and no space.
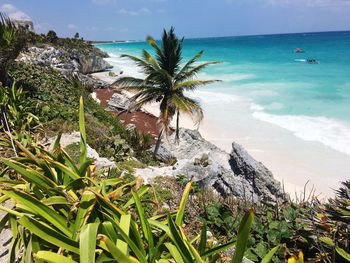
330,132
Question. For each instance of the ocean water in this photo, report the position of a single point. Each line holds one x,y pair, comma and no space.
310,101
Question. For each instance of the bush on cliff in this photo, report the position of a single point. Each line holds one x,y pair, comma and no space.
57,102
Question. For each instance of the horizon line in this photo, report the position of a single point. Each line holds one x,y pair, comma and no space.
248,35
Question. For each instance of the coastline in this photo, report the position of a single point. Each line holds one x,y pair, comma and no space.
297,170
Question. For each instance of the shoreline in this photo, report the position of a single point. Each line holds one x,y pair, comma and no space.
293,161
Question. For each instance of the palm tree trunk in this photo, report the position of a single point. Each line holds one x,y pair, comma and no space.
177,135
158,143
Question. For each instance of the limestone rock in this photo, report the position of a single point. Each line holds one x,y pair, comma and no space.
164,155
100,162
119,101
69,63
254,172
89,63
236,174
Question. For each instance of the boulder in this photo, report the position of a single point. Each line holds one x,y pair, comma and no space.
100,162
69,63
261,178
236,174
119,102
89,63
164,155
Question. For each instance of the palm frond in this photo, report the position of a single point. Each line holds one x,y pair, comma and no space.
188,65
171,52
192,72
190,85
188,106
125,82
147,57
147,67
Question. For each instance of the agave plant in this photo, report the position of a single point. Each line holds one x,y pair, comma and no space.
17,109
12,41
64,213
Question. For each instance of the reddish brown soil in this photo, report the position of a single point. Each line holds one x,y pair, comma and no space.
144,122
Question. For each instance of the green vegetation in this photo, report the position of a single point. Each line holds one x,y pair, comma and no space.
56,104
166,81
68,44
12,41
64,213
67,211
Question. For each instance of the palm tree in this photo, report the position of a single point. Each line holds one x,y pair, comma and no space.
12,41
166,81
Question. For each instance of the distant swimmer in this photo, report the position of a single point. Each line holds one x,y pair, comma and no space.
312,61
299,50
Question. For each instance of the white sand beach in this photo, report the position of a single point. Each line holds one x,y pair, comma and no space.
293,161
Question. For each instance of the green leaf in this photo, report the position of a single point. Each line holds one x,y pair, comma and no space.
39,209
181,211
144,223
203,241
242,237
115,252
269,255
174,252
179,241
87,203
56,200
83,146
328,241
138,251
343,253
50,257
216,250
31,175
87,242
49,234
125,226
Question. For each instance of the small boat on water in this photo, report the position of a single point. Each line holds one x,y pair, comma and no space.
299,50
309,60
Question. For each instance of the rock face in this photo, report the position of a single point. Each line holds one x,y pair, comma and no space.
255,172
68,63
119,102
164,155
236,174
90,63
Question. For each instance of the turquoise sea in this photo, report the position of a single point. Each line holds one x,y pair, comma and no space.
311,101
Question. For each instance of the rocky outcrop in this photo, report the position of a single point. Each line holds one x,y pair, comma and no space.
260,178
164,155
68,63
119,102
89,63
236,174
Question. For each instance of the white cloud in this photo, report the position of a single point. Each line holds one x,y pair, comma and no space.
72,27
142,11
14,13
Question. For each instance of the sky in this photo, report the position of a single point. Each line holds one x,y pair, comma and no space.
135,19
